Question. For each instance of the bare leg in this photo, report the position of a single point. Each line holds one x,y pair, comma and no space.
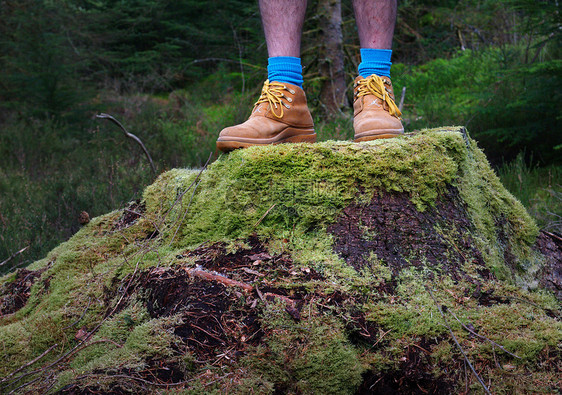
282,24
375,22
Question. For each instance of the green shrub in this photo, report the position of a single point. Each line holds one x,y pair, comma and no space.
508,106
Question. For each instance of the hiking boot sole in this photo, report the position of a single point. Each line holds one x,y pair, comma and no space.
286,136
379,134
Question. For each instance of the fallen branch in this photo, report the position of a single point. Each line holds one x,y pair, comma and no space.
458,344
130,135
14,255
29,363
199,272
480,336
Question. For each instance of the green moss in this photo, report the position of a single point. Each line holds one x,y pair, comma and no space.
308,184
135,339
300,187
288,195
15,346
311,356
501,221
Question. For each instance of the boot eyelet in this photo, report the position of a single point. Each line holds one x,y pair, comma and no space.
289,100
292,91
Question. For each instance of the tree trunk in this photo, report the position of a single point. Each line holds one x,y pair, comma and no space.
331,57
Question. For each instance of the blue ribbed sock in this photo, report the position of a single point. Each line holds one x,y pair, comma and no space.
375,61
285,69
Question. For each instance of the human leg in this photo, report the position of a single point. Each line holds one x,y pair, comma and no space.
375,22
375,112
281,113
282,22
282,25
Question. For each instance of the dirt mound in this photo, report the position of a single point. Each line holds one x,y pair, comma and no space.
398,265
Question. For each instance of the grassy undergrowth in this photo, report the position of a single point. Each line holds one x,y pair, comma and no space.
51,171
538,188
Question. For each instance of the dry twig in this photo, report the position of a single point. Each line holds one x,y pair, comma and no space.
199,272
458,344
131,136
24,385
74,350
13,256
81,316
263,216
481,336
180,197
29,363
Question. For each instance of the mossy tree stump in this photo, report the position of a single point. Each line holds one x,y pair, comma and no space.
388,266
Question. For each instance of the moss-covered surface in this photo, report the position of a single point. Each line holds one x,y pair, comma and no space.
326,268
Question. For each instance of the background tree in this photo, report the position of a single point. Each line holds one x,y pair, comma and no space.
331,57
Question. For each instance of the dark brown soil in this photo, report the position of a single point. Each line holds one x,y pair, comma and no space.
393,229
130,215
250,264
550,277
14,295
216,321
412,377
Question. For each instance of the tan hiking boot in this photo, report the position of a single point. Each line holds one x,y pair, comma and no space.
279,116
375,115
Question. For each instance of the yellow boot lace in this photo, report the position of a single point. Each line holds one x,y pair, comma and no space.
375,85
272,93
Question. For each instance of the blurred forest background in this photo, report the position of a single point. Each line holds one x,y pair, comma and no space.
176,72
